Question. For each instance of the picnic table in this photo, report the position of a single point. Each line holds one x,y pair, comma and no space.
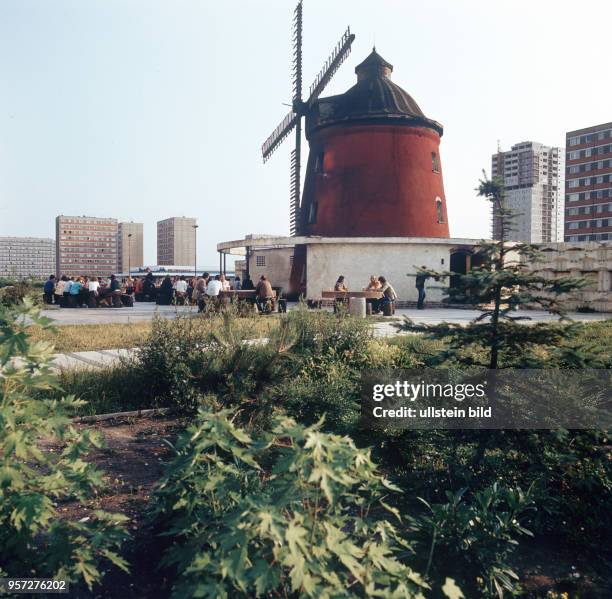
349,294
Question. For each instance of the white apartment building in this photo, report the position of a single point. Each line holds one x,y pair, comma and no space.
533,179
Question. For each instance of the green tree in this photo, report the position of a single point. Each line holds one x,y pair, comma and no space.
34,539
499,285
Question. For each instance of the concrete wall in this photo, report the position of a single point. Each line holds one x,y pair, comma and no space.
325,262
277,266
588,260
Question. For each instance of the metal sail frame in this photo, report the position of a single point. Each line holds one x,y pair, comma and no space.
293,120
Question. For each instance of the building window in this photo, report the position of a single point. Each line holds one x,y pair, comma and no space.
439,211
260,260
312,214
435,163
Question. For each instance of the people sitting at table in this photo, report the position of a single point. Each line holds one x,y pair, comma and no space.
264,295
180,291
247,284
387,303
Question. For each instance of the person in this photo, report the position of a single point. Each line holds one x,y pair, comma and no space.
115,289
164,295
75,294
59,291
180,290
389,296
247,284
265,294
138,288
149,291
340,302
421,277
214,286
225,284
93,289
340,284
49,290
237,284
199,291
67,285
373,285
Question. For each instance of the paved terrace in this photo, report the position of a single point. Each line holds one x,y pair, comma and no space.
146,311
143,311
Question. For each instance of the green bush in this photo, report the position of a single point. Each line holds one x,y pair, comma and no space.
295,512
34,540
474,539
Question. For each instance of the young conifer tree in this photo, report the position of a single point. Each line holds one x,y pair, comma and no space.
498,286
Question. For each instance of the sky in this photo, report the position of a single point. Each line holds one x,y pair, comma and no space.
146,109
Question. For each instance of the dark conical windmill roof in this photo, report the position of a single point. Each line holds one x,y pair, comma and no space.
373,61
373,98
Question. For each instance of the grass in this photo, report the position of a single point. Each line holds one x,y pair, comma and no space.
91,337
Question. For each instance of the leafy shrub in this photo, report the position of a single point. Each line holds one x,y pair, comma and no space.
297,511
473,539
33,539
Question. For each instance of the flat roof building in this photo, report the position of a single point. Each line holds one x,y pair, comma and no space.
130,246
86,245
176,241
26,257
588,184
532,175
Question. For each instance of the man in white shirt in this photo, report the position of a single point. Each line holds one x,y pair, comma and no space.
214,287
180,289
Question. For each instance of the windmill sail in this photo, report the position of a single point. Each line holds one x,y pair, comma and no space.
336,58
293,120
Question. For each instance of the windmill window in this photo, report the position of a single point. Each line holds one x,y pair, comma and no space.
439,211
435,163
260,260
319,162
312,214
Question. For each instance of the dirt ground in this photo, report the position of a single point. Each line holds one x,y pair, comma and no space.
133,459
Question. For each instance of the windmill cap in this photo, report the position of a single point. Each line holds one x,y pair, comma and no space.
373,66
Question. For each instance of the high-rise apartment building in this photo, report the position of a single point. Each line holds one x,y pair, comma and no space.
86,245
532,175
588,184
26,257
176,241
130,246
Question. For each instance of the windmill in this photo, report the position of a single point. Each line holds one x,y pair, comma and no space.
293,120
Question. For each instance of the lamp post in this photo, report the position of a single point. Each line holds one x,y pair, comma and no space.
129,255
195,250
